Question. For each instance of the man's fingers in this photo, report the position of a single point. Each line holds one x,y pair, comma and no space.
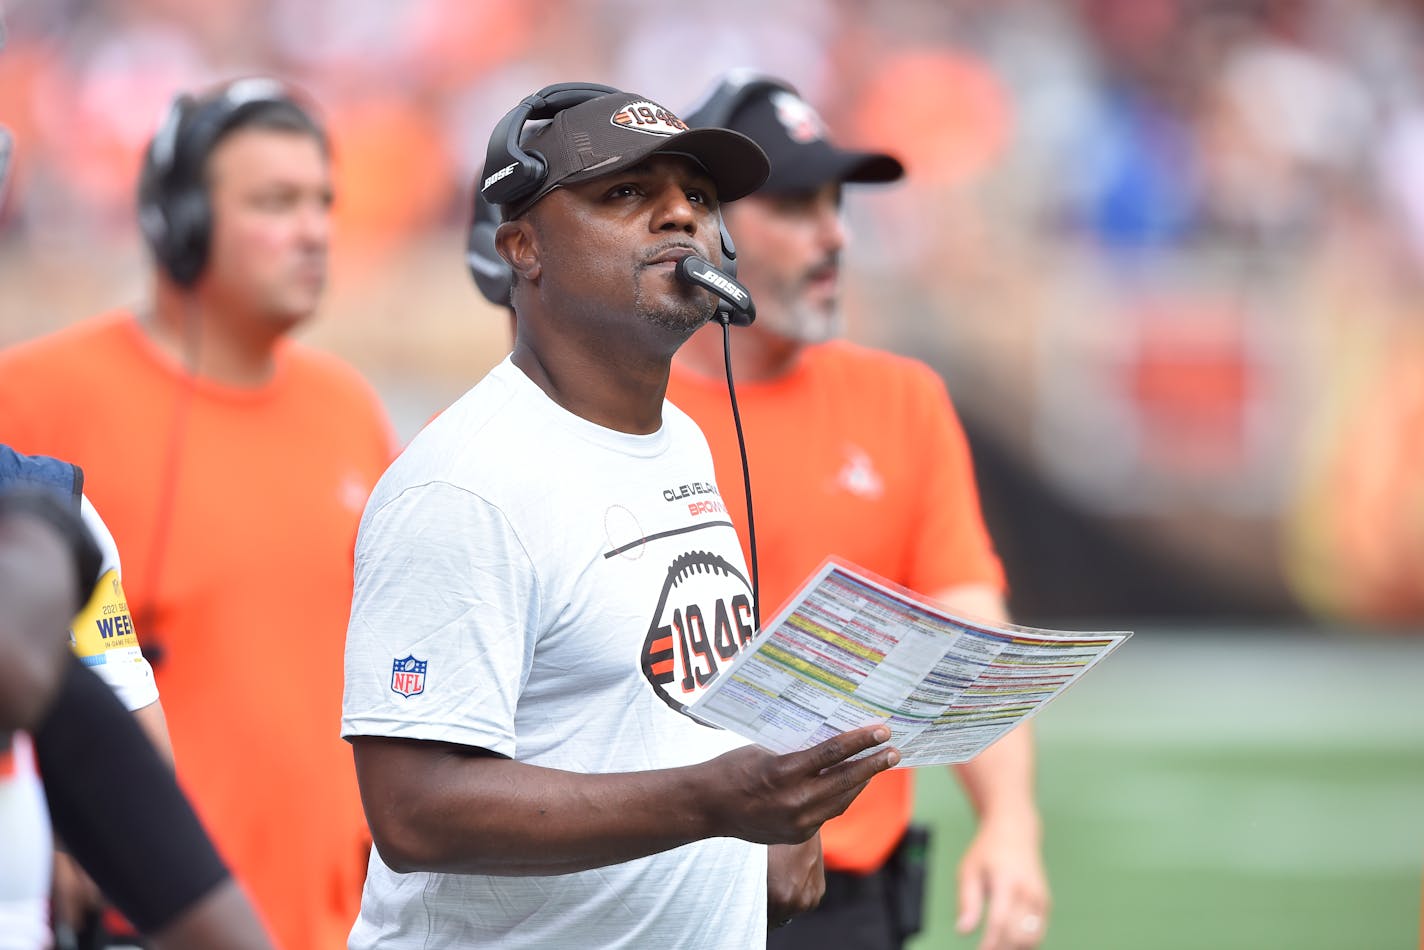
860,771
1001,921
971,901
839,748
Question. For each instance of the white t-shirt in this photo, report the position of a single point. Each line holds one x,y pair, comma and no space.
25,850
534,584
103,635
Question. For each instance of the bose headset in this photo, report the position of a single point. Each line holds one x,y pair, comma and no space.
175,213
511,174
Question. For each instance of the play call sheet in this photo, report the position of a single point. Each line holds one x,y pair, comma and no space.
849,651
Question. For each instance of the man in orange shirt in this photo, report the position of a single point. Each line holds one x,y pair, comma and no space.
855,453
232,465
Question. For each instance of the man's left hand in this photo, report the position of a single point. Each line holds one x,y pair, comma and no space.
1003,868
795,880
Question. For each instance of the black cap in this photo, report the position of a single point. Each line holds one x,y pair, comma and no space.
793,136
619,130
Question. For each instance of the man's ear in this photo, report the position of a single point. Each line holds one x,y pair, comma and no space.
518,244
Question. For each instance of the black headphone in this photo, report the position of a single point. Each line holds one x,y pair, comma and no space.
511,174
174,211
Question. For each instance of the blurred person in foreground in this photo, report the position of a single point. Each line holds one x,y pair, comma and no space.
102,636
58,720
856,453
231,464
517,660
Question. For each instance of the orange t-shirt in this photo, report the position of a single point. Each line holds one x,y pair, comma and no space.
235,511
859,454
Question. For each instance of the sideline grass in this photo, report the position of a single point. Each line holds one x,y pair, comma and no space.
1209,790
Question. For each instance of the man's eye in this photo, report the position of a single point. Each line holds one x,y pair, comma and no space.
273,201
623,191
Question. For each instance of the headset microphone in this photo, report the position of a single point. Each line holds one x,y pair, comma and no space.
733,300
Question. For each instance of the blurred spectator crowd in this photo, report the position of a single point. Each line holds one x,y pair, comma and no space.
1167,253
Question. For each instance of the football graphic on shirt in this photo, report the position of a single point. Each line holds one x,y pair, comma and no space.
702,621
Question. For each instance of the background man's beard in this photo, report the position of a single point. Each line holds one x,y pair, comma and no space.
818,326
804,323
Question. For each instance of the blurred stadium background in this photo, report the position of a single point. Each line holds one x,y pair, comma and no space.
1168,255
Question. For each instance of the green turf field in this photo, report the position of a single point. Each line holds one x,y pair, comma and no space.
1223,790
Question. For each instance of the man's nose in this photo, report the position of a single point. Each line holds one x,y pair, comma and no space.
674,210
314,223
831,227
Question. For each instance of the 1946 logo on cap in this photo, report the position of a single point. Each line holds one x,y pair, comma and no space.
648,117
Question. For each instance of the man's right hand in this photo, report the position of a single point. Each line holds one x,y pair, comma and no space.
75,898
784,799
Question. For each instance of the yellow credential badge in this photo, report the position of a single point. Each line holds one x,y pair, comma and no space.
104,625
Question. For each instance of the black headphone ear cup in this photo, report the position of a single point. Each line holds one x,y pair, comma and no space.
492,275
190,227
511,173
158,216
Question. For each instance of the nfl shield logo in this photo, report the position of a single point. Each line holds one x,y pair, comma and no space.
408,676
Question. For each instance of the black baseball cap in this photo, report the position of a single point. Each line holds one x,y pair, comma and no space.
619,130
793,136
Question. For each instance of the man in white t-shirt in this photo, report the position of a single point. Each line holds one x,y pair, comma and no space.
547,576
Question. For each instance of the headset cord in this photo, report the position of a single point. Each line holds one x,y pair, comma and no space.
746,471
146,621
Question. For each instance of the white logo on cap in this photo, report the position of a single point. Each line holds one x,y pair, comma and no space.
645,116
799,119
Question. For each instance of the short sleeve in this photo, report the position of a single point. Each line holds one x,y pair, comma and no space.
952,546
443,621
103,634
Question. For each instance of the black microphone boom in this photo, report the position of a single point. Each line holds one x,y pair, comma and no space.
734,307
734,300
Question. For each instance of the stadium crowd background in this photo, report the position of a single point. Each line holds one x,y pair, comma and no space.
1168,254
